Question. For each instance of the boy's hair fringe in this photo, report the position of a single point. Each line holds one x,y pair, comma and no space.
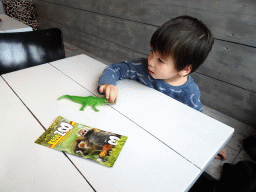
186,39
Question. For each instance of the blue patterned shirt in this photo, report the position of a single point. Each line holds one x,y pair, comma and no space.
187,93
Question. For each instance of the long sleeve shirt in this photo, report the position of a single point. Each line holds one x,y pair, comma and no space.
187,93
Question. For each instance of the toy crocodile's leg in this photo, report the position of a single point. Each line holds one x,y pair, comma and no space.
94,107
82,109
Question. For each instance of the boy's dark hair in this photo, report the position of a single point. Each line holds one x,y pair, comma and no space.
186,39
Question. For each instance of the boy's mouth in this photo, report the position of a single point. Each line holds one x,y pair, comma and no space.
151,72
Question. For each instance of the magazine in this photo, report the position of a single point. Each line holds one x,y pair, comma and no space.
83,141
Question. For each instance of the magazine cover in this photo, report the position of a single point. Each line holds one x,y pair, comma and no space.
83,141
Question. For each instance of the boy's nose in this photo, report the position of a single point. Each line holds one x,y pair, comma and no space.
151,61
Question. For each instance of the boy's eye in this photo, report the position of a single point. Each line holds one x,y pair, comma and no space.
160,60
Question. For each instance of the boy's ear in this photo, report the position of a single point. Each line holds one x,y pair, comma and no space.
186,70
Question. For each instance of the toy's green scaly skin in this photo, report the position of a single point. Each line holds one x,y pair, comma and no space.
87,101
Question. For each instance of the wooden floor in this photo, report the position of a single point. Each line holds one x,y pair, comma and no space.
234,147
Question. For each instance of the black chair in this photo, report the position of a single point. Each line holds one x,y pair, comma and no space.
26,49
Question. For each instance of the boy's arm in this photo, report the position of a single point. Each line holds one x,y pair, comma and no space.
119,71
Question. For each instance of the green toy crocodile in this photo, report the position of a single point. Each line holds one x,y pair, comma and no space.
87,101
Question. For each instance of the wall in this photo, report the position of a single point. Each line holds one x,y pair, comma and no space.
117,30
1,8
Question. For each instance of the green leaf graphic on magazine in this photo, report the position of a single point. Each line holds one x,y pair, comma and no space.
83,141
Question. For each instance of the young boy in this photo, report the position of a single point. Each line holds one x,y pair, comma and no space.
179,47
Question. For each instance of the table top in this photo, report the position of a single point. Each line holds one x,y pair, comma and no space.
24,165
9,24
159,155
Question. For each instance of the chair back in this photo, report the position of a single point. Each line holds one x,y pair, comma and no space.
21,50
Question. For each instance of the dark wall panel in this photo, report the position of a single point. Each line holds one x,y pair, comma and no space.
228,99
123,32
232,20
232,63
99,47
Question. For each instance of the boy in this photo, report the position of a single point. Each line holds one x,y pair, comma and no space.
179,47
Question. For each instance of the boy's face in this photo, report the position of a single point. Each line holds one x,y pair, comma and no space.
162,68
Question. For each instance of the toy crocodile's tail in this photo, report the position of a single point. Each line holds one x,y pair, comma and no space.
66,96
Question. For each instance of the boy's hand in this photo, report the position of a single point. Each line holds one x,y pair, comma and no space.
110,91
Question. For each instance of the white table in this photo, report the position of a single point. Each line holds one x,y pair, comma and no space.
9,24
25,166
161,154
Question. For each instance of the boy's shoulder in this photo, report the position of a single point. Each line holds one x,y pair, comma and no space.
190,88
192,84
194,95
139,65
137,61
